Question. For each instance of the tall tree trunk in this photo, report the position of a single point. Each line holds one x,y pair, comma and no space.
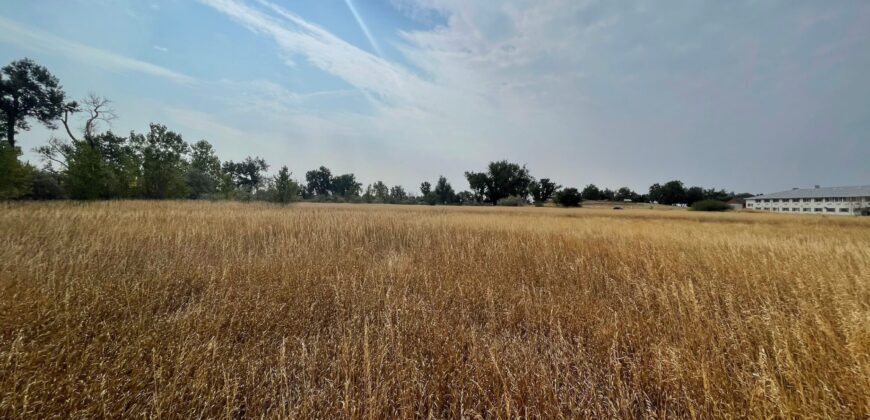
10,133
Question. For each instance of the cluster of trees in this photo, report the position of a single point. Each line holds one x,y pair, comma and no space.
92,164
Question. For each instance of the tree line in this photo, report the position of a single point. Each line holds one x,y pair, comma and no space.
91,163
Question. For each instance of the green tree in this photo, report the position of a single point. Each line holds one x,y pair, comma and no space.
398,194
673,192
591,192
286,189
568,197
425,188
380,192
502,179
87,176
15,177
163,166
204,173
346,186
122,164
28,90
477,181
466,197
542,190
247,175
694,194
319,181
626,193
443,192
655,193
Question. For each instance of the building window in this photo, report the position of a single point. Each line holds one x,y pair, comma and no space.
785,209
829,209
817,210
844,210
818,200
795,209
806,209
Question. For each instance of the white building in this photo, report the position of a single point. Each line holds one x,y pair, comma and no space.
829,200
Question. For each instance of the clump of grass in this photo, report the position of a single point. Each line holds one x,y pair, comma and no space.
186,309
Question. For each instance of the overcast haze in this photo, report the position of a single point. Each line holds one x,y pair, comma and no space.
755,96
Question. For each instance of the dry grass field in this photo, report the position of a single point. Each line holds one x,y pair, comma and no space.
198,309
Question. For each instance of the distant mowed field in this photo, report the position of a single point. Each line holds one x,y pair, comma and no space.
199,309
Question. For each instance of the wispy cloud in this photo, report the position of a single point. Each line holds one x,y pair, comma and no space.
296,36
35,39
159,48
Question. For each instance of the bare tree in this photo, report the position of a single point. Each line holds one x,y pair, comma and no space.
57,151
98,110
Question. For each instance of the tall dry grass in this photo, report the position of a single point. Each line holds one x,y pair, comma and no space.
163,309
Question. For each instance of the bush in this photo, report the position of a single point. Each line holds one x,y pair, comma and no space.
512,201
710,205
568,197
45,186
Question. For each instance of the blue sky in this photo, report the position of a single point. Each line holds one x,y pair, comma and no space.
754,96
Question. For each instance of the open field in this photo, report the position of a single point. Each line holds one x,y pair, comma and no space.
198,309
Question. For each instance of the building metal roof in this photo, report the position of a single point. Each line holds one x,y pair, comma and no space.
859,191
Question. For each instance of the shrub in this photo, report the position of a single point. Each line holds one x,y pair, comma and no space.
568,197
710,205
512,201
45,186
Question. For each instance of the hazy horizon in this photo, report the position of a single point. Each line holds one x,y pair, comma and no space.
748,96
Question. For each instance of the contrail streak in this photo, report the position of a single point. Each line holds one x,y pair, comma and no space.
364,27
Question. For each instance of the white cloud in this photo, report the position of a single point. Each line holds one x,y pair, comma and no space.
38,40
159,48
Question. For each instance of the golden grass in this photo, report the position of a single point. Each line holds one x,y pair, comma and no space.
196,309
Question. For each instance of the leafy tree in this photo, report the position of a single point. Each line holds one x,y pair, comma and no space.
502,179
443,192
671,193
608,194
87,176
542,190
477,182
398,194
466,197
28,90
121,162
380,192
346,185
163,166
286,189
319,181
204,159
625,193
694,194
591,192
655,193
15,177
425,188
720,195
568,197
204,173
247,175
